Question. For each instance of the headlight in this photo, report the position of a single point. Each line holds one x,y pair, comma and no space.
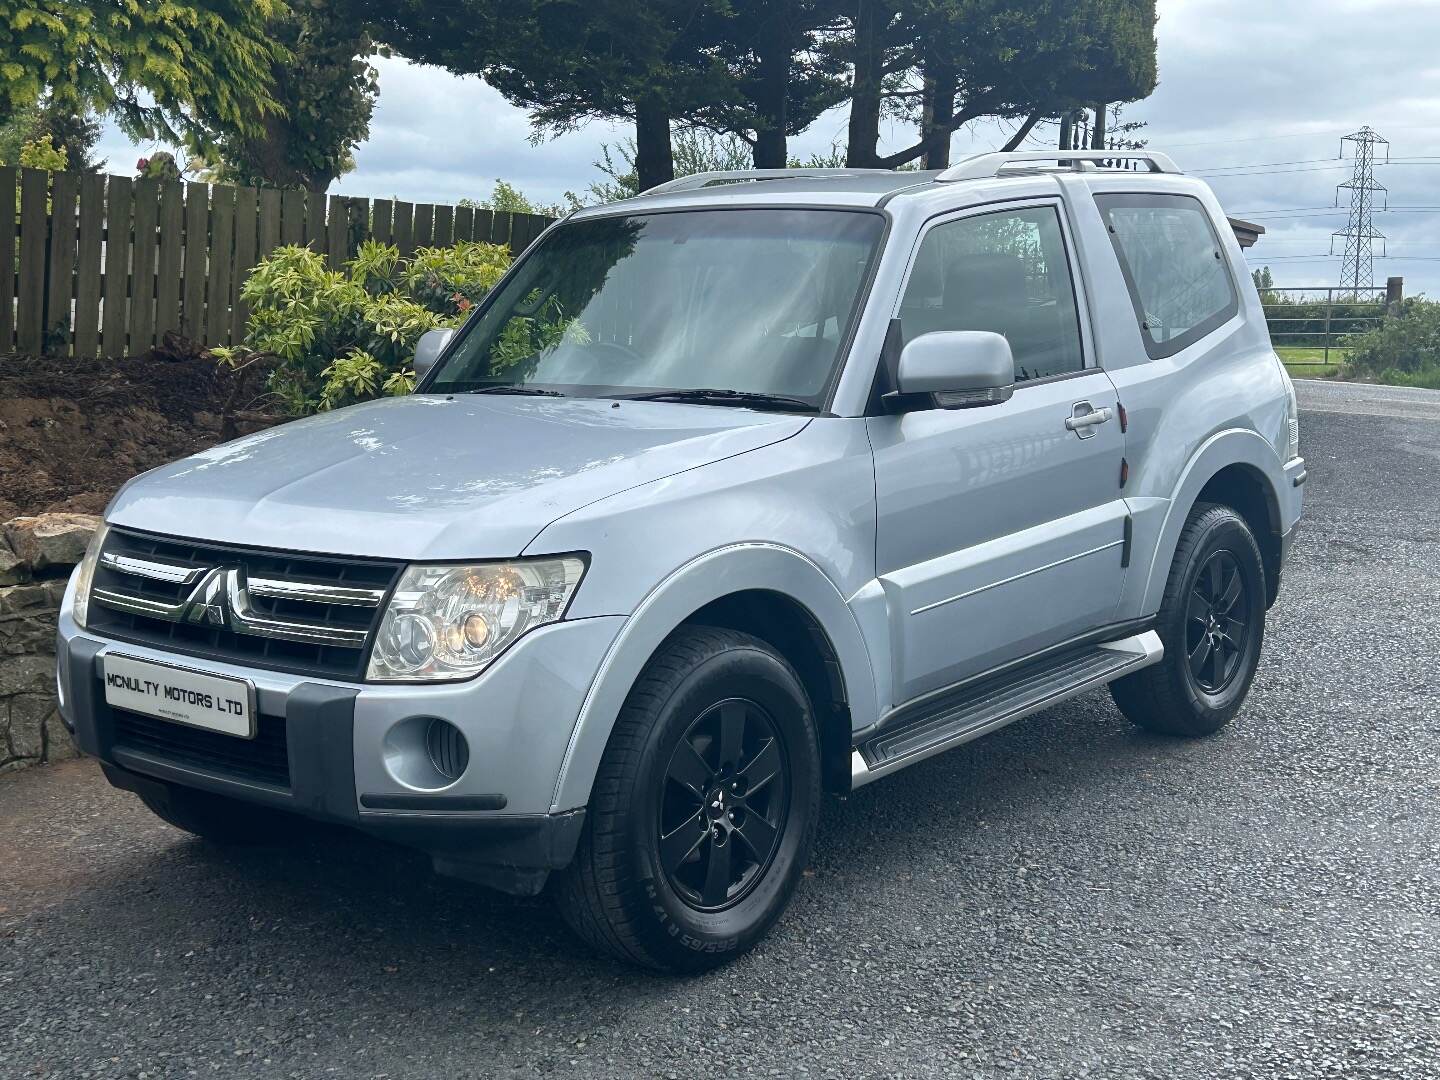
449,622
85,574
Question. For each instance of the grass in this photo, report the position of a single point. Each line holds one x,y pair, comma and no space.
1309,363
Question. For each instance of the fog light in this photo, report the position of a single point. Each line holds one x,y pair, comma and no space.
449,752
425,753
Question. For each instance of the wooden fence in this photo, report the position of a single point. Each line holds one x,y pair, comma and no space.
106,266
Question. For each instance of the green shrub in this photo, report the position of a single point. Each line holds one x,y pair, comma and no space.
341,337
1404,350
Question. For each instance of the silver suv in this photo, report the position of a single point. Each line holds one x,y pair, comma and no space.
758,486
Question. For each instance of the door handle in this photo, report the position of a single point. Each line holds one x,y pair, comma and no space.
1084,416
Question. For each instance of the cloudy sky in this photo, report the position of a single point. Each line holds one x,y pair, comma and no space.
1254,95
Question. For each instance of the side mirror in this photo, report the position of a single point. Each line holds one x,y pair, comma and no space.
961,368
428,349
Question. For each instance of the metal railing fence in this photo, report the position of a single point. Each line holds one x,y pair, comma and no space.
1320,318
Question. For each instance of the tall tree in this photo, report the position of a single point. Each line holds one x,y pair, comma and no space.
570,61
880,48
1020,59
326,90
155,66
782,70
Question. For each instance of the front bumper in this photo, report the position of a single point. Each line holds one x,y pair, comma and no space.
495,824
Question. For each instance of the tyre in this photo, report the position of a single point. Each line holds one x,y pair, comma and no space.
703,810
218,819
1212,624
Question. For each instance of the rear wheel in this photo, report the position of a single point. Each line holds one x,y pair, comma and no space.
218,819
1211,621
704,806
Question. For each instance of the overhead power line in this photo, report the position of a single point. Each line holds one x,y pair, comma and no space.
1268,164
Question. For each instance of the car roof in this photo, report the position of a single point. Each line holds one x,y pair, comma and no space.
861,189
865,188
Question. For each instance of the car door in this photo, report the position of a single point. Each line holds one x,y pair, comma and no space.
1000,528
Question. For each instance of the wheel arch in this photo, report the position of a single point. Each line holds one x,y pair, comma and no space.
1244,489
1240,469
767,590
793,631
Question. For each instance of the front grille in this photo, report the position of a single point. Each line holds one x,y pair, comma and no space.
264,759
306,614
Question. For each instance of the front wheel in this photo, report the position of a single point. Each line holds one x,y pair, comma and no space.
703,809
1211,621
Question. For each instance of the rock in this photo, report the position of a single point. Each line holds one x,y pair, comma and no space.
26,675
25,600
19,637
28,714
59,746
13,570
47,540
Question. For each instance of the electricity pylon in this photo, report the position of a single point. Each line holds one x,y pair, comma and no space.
1357,270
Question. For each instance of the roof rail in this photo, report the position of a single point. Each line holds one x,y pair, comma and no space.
985,166
721,176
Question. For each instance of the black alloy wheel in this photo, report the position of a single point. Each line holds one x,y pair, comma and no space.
1212,624
724,806
704,806
1217,622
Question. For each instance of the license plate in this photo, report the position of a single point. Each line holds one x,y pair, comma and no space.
213,702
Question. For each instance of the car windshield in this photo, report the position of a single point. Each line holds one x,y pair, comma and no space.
752,303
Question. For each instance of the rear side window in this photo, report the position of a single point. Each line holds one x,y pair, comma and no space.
1174,266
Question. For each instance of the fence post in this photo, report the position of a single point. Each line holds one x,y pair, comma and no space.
196,263
87,278
9,188
1329,308
1394,295
170,262
247,223
117,266
222,262
30,319
146,193
65,189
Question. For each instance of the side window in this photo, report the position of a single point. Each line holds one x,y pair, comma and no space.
1005,272
1179,280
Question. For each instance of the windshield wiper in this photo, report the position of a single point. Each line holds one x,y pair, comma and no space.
512,388
747,399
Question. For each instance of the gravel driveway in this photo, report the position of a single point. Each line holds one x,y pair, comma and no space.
1067,898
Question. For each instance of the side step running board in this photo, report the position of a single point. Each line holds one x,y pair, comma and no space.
971,712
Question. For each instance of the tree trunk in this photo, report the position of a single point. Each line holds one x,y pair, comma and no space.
937,124
772,104
654,160
864,133
1097,133
1022,132
267,157
1067,129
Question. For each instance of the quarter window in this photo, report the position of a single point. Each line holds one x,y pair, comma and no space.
1174,266
1007,273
